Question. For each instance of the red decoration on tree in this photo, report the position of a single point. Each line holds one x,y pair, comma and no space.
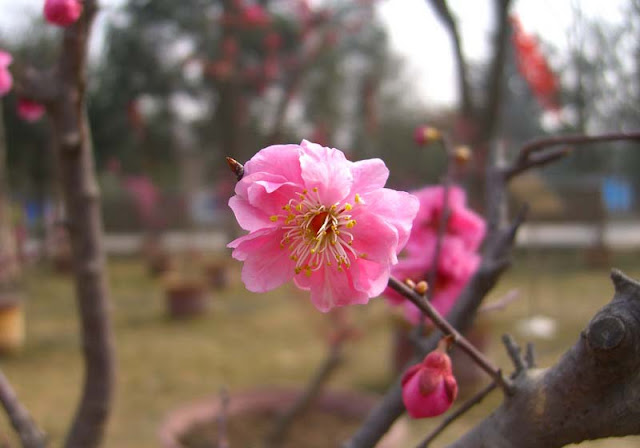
534,67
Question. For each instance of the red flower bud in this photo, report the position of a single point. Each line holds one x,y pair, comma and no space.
62,12
429,388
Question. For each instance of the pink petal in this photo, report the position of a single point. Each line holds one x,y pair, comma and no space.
398,208
282,160
249,217
6,81
326,169
373,238
266,264
331,288
5,59
368,175
370,277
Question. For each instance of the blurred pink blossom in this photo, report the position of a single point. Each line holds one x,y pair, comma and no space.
30,110
325,222
255,16
463,222
456,265
62,12
6,80
457,259
429,388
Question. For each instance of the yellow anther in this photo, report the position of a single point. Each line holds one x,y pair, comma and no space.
307,271
348,206
274,218
315,189
351,223
358,199
298,270
363,255
286,207
305,191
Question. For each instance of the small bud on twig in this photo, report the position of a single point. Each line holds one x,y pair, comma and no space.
422,287
410,283
236,167
462,155
425,135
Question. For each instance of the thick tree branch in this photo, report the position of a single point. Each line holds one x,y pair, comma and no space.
592,392
81,197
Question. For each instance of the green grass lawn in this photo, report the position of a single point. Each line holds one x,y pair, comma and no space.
247,340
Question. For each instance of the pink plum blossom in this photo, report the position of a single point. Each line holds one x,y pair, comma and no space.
317,218
429,388
6,80
456,265
62,12
30,110
463,222
457,259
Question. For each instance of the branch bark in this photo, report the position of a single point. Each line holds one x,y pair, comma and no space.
30,435
67,111
592,392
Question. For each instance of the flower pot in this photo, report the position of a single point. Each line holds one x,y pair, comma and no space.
186,300
344,404
11,325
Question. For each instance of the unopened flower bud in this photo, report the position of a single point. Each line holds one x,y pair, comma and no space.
425,135
410,283
462,154
429,388
421,287
29,110
62,12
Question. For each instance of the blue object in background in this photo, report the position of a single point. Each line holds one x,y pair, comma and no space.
616,194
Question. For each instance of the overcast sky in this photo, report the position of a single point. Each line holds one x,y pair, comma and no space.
414,31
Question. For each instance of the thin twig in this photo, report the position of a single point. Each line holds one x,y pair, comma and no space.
279,431
530,357
471,402
442,228
448,329
223,438
30,435
580,139
514,352
500,303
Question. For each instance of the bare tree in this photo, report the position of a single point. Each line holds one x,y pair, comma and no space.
62,89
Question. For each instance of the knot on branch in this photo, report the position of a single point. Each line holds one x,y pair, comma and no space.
615,330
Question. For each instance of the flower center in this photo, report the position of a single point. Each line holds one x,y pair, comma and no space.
317,234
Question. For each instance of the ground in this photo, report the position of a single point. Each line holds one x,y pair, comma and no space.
249,339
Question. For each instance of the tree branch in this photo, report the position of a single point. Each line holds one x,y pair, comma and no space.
81,197
30,435
448,330
592,392
444,14
476,399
